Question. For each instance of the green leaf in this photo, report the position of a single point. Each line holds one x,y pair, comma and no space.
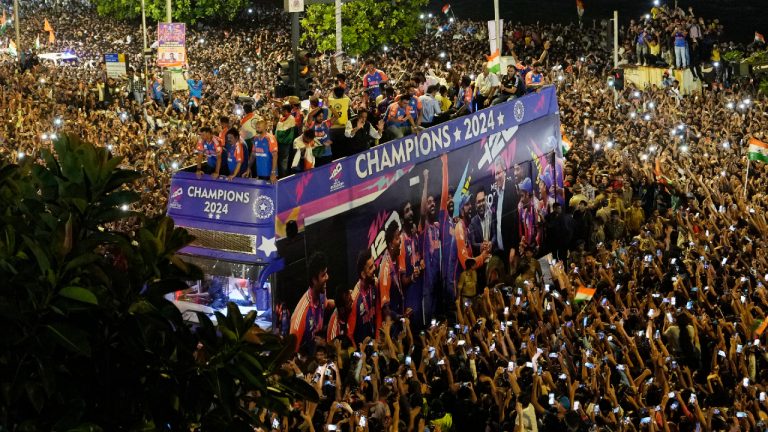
71,338
79,294
37,251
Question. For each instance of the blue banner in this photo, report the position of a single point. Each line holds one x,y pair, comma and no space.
347,183
243,207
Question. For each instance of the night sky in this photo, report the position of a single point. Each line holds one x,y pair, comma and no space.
740,17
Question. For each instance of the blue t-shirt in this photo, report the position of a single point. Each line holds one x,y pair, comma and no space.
157,90
679,39
195,88
262,151
322,131
209,150
234,155
371,82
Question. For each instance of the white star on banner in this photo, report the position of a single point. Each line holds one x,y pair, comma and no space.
457,134
218,216
267,246
500,118
210,215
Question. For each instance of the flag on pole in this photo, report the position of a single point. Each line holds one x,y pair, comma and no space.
37,43
758,151
12,47
759,38
494,62
584,294
47,26
580,7
446,8
51,37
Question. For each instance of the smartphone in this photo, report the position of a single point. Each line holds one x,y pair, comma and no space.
332,427
511,366
362,421
461,342
506,310
762,396
745,382
576,405
741,414
692,399
407,360
275,423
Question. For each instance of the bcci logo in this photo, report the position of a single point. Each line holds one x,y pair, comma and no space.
263,207
519,111
175,199
336,178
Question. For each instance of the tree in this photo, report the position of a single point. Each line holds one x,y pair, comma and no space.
189,11
87,340
367,25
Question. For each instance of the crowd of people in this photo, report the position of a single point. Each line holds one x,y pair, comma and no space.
655,314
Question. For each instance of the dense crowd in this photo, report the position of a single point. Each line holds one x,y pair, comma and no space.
659,220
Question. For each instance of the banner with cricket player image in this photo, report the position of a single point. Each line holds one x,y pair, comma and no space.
401,253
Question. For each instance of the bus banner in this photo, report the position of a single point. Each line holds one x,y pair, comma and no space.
353,181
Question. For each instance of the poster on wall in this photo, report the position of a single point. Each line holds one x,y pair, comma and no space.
171,49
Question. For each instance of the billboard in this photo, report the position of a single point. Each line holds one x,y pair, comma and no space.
475,187
171,38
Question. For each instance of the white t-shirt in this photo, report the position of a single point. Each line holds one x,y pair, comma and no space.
486,81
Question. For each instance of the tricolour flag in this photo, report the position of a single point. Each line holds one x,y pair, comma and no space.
446,8
494,62
584,294
47,26
759,38
566,143
758,150
580,7
12,47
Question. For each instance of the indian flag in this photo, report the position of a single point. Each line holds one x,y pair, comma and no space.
566,143
759,37
3,24
494,62
446,8
584,294
12,47
758,150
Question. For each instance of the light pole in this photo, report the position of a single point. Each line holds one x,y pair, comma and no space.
168,16
496,24
144,53
17,27
338,35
